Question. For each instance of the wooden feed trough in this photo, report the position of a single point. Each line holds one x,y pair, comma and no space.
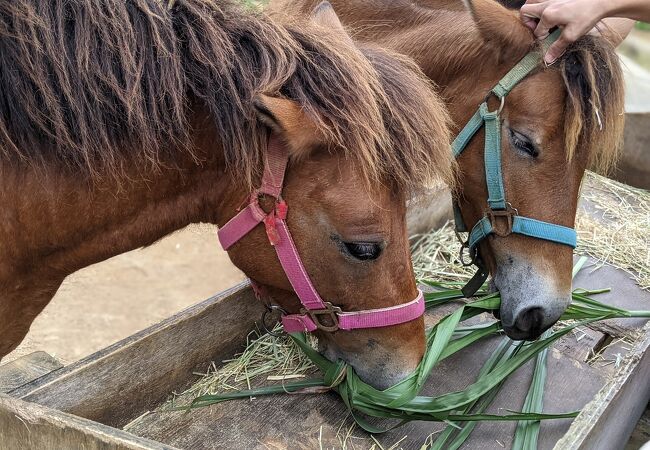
86,404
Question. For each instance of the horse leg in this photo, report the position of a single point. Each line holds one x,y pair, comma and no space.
18,309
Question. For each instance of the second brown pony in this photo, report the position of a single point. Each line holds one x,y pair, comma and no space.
557,122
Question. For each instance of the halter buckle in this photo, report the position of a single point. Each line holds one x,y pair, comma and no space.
508,214
317,315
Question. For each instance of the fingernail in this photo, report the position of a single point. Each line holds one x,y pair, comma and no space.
549,60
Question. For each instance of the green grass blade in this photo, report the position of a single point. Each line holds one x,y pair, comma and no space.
456,345
503,350
527,432
206,400
578,266
456,400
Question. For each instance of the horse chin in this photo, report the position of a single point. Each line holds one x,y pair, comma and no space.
530,301
377,368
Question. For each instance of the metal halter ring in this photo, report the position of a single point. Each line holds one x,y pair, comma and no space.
502,99
272,309
470,253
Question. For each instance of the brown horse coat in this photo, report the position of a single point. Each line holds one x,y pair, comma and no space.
122,121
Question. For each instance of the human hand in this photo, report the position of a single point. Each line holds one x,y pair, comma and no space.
575,17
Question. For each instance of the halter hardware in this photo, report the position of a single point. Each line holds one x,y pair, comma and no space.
500,218
316,314
502,103
507,214
270,310
464,246
330,311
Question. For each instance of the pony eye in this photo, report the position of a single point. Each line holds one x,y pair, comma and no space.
363,251
523,143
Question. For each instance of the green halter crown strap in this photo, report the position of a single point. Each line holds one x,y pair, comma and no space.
500,217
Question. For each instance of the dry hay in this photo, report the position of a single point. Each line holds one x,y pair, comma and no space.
436,256
622,237
267,357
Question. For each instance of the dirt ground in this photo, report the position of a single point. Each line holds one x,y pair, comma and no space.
109,301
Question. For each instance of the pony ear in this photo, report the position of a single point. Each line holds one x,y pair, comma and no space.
324,15
501,27
286,118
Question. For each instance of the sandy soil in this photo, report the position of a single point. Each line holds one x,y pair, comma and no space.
109,301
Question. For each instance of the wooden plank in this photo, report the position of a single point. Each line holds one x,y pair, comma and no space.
131,377
580,345
559,396
25,369
610,417
297,421
625,293
119,383
641,433
28,426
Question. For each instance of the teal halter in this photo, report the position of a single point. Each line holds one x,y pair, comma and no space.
500,217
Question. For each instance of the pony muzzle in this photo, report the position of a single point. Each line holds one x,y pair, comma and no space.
530,302
372,356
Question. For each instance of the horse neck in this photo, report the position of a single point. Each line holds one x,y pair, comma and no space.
443,39
54,224
65,223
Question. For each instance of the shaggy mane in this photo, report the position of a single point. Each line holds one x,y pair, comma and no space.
89,84
594,109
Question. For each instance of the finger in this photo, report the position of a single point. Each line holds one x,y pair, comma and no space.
532,9
532,16
544,27
530,22
557,49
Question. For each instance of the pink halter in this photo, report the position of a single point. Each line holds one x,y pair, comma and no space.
315,308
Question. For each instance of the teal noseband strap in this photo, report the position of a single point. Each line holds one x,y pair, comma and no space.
501,218
528,227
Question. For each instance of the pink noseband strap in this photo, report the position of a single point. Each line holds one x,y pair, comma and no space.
316,313
369,318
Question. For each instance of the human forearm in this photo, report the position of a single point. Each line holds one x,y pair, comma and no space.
631,9
615,29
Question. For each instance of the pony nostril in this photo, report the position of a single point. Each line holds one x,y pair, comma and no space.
530,321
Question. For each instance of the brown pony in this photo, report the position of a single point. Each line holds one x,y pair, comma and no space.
557,122
122,121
